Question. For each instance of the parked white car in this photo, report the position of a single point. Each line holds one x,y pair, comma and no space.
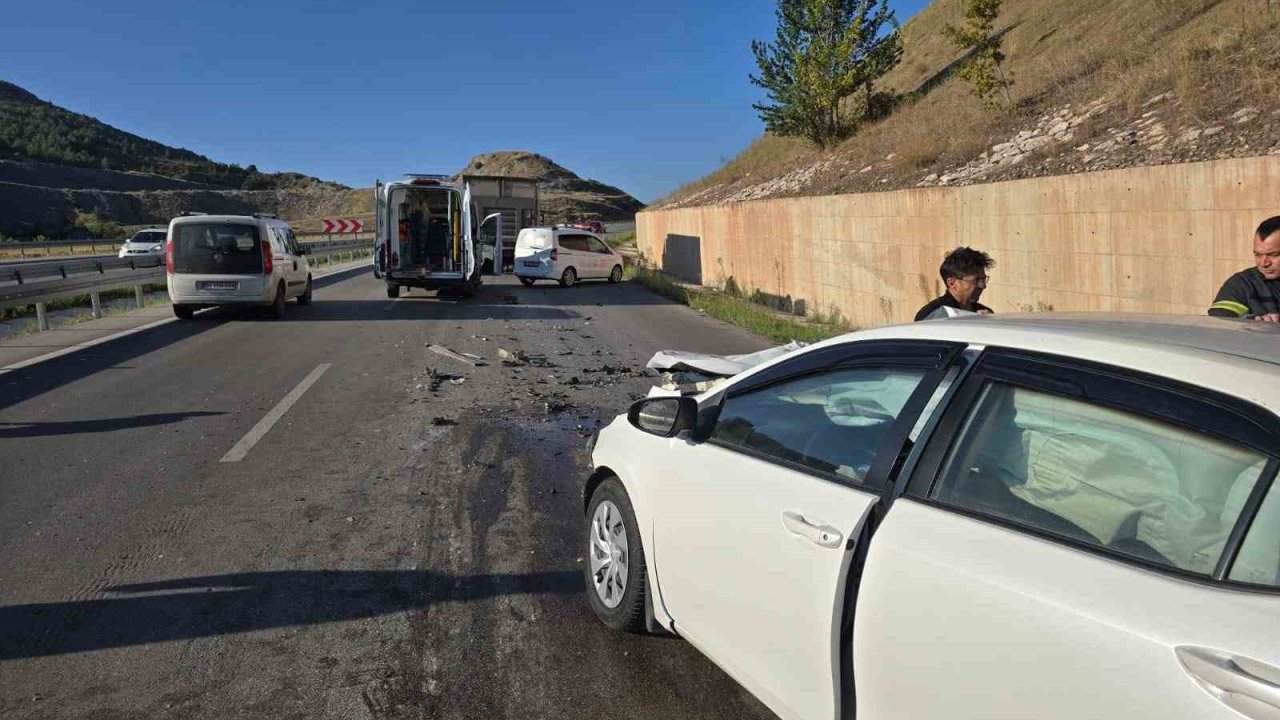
565,254
1051,516
234,260
144,243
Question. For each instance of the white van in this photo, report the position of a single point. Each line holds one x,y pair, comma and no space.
234,260
429,236
565,254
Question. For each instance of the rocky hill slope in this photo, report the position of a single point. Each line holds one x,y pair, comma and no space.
64,174
34,130
1099,84
562,194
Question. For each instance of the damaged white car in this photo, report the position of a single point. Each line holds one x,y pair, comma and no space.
1048,516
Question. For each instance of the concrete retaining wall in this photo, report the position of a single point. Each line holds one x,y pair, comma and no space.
1157,239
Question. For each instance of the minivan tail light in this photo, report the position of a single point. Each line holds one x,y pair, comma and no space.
555,254
268,258
168,255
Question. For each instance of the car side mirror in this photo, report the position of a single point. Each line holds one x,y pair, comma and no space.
664,416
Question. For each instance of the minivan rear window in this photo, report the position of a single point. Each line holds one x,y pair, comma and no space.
540,239
217,249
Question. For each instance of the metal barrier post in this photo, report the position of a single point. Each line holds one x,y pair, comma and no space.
42,320
96,300
137,296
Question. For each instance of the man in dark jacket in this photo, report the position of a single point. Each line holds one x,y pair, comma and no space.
964,272
1255,292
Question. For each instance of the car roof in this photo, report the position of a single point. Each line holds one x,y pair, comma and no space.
561,229
1236,357
228,218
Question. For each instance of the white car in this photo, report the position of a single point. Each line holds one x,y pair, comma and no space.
565,254
244,260
145,243
1043,516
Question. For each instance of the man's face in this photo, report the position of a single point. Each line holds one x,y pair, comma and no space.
1266,255
966,290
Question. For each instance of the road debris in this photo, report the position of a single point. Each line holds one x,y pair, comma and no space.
512,359
511,299
436,379
443,421
468,358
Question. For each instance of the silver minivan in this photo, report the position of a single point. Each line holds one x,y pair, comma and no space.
252,260
566,255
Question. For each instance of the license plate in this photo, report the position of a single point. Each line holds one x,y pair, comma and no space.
217,285
531,263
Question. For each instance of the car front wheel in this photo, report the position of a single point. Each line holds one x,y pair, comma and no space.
615,567
616,276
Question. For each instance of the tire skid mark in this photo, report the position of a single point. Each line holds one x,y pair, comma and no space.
138,557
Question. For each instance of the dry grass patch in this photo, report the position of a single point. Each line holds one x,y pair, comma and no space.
1216,56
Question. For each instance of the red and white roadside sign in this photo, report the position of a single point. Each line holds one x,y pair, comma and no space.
341,225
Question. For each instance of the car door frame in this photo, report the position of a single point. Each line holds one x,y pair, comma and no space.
603,258
937,359
299,254
1241,422
1235,420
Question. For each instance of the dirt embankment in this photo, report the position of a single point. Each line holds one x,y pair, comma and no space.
46,175
28,211
562,194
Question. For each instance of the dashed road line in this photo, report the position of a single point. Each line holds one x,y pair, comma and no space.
242,448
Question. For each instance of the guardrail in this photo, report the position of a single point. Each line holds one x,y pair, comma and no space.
46,248
43,283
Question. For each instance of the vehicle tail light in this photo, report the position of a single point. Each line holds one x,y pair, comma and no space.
168,255
268,258
395,259
555,254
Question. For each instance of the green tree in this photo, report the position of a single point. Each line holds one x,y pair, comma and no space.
823,51
877,51
984,68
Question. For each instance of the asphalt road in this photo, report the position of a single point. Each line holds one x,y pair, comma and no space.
385,550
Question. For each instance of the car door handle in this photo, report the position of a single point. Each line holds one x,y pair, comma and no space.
1246,686
818,534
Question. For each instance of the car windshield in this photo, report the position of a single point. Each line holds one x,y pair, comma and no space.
148,238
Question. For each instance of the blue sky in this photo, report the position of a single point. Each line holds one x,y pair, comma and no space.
645,96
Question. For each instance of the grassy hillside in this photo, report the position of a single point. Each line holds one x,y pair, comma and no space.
32,129
1164,81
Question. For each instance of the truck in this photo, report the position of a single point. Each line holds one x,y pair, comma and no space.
428,236
515,198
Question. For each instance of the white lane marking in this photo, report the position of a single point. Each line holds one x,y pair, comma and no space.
86,344
123,333
242,448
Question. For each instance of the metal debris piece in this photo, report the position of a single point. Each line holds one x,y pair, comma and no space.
436,379
443,421
472,360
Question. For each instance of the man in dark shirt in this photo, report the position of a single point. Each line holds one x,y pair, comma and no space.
1255,292
964,272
